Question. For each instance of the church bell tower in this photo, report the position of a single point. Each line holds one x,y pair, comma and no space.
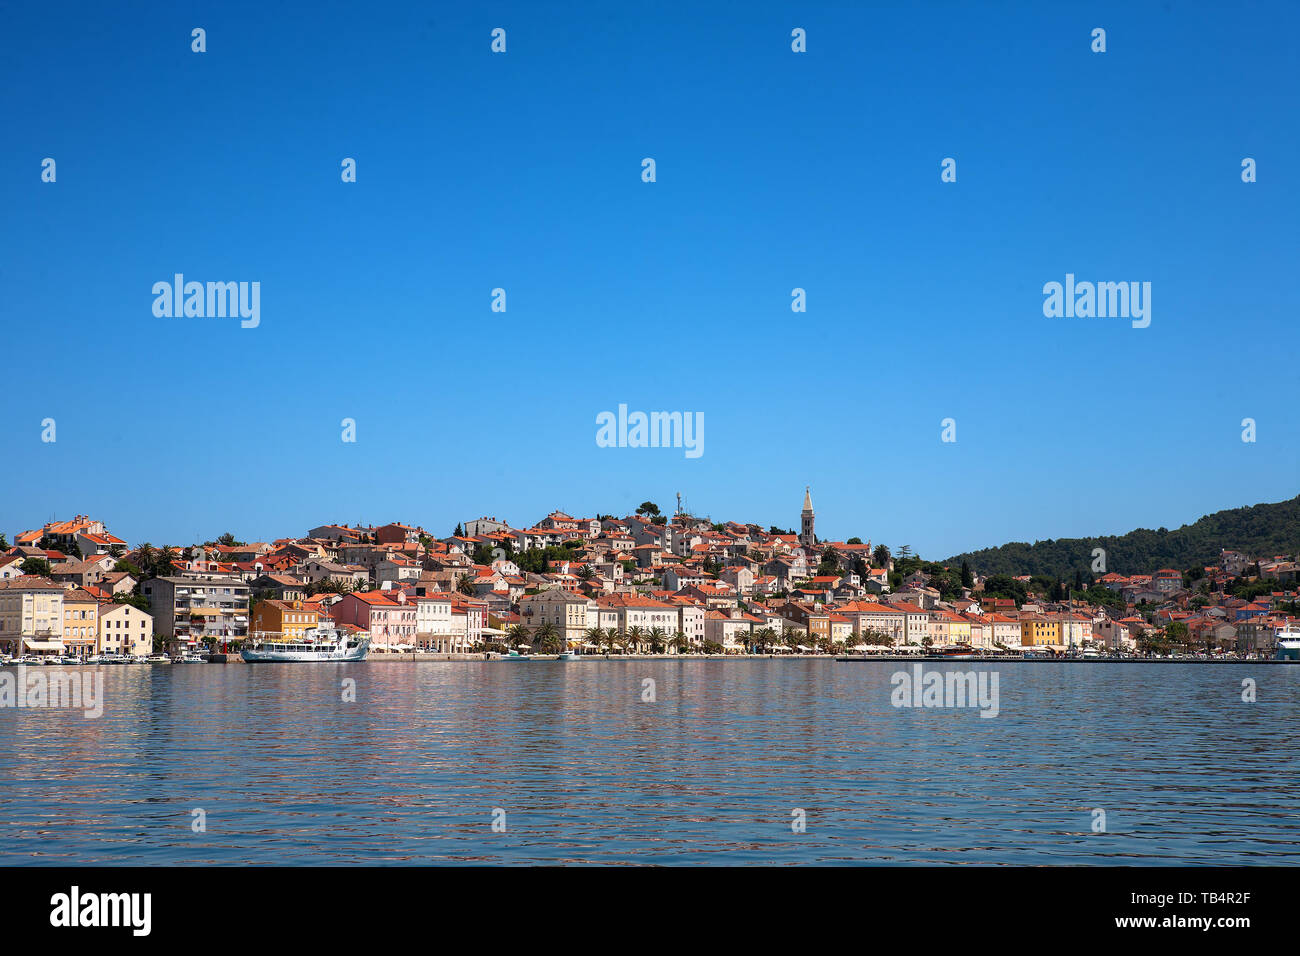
807,537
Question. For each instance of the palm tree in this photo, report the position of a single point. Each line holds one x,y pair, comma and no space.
586,573
880,555
516,634
680,643
634,635
764,638
657,640
596,635
620,639
547,639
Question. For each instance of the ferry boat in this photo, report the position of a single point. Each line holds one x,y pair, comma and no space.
319,644
1288,644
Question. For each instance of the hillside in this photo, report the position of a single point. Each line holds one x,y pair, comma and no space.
1258,530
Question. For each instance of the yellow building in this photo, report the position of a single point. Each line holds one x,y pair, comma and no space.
287,618
1037,630
80,622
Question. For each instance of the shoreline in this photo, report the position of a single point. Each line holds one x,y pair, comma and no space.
492,658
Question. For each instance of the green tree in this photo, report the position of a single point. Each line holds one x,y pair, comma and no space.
138,601
516,634
830,563
635,635
657,639
547,639
164,564
648,508
36,566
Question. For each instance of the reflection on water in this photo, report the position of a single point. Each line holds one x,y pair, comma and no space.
288,772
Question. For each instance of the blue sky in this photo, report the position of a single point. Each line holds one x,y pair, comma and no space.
775,170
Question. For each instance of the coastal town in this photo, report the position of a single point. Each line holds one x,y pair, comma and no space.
644,583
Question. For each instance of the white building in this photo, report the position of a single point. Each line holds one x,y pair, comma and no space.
124,629
434,626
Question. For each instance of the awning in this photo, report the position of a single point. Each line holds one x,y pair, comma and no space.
43,645
202,611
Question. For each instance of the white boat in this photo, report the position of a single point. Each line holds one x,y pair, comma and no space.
191,657
113,659
320,644
1288,644
569,656
157,659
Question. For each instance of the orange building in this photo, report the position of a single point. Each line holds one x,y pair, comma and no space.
289,618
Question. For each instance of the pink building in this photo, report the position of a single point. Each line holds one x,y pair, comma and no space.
386,615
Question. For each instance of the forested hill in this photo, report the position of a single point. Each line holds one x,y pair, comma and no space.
1259,530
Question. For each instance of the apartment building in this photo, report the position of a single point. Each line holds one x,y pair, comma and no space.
186,609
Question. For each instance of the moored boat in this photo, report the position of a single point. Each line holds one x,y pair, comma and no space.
953,652
322,644
1288,644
